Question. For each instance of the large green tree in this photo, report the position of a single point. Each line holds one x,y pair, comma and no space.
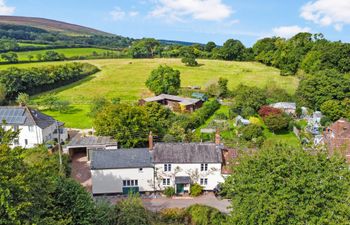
144,48
232,50
281,185
164,80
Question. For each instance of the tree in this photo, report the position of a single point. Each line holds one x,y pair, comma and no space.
22,99
314,90
3,94
189,60
283,185
277,122
10,57
144,48
232,50
30,57
210,46
251,131
266,110
223,90
132,211
335,109
164,80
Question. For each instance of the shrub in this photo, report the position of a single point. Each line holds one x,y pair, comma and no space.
196,190
277,122
174,215
251,131
169,191
202,214
268,110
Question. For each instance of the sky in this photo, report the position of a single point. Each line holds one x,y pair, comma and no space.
196,20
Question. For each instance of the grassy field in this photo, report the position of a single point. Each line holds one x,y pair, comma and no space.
31,44
125,78
68,52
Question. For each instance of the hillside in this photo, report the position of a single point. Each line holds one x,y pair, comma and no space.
52,25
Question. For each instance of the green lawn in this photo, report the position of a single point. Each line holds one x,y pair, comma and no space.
125,78
68,52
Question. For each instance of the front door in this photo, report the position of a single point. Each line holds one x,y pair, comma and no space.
179,188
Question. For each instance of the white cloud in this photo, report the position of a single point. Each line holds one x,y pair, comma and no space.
327,12
117,14
289,31
211,10
6,10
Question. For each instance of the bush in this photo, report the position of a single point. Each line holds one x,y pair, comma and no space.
169,191
251,131
196,190
174,215
277,122
268,110
202,214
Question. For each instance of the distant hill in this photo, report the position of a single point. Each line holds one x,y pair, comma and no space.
173,42
52,25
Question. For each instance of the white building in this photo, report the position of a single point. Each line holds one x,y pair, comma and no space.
175,165
34,127
287,107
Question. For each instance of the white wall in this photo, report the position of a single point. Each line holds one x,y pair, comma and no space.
192,170
111,180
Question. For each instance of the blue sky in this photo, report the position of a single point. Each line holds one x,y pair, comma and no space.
195,20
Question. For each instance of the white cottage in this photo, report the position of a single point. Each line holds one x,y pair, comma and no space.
35,127
175,165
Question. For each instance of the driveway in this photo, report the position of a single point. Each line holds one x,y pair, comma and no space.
81,170
209,199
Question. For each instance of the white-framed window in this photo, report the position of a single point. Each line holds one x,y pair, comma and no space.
16,141
26,141
166,181
204,167
15,127
203,181
30,128
167,167
130,183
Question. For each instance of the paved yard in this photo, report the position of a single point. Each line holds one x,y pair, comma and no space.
81,170
157,204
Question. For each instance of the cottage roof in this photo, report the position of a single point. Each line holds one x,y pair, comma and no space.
92,141
24,116
121,159
340,128
181,100
187,153
284,105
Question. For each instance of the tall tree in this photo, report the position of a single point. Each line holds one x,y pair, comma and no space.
282,185
164,80
232,50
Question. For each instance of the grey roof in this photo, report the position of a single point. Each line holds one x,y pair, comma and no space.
22,115
91,141
121,158
182,180
181,100
187,153
284,105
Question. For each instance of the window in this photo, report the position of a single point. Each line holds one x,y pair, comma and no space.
167,167
204,167
140,170
130,183
30,128
15,128
26,141
16,142
166,181
204,181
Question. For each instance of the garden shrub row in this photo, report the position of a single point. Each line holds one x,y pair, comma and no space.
38,79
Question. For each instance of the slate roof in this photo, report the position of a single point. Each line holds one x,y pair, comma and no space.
284,105
90,141
181,100
24,116
186,153
121,158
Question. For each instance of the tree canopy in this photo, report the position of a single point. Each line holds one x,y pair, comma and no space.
282,185
164,80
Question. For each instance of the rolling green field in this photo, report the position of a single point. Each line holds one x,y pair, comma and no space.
31,44
125,78
68,52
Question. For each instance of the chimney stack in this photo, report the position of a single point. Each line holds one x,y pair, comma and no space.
150,141
217,137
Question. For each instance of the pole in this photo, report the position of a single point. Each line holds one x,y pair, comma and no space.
59,146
